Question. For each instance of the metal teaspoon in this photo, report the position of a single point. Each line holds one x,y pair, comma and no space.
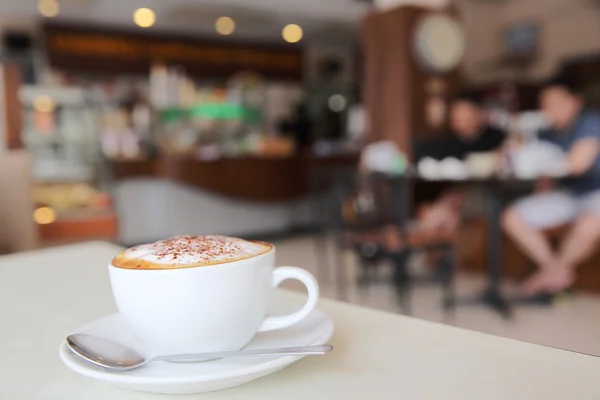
118,357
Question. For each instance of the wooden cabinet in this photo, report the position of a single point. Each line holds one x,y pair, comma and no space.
10,82
102,225
398,91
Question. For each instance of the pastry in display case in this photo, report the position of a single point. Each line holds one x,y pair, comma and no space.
70,178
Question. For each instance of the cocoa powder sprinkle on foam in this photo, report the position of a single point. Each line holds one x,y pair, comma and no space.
193,250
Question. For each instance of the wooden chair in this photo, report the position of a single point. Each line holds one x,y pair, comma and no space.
325,182
390,209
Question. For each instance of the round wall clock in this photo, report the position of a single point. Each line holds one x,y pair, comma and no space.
439,43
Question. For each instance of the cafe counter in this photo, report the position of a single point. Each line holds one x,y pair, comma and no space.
172,195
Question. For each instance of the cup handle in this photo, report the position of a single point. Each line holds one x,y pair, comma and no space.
284,273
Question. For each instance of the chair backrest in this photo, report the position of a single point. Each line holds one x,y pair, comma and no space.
374,200
17,228
398,197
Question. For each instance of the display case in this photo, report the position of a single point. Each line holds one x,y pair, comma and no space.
228,120
70,177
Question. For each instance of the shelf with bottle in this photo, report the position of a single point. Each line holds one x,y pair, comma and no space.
70,179
60,132
209,121
211,129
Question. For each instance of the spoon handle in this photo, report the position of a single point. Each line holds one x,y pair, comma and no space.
284,351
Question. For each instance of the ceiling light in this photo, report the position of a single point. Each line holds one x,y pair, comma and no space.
337,103
44,215
43,104
144,17
292,33
48,8
225,25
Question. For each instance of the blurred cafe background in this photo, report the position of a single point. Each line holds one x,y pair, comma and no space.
135,120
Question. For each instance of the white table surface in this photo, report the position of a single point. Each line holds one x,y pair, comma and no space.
46,294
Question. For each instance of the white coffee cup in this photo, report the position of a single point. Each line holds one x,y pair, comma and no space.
207,308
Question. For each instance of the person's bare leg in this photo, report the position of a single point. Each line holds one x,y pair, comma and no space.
581,241
534,244
576,248
441,218
531,241
391,238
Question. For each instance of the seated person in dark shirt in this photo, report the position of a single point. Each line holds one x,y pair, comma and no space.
575,199
469,134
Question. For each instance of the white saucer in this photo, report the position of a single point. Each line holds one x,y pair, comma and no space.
181,378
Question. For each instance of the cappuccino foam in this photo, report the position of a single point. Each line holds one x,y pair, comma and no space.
188,251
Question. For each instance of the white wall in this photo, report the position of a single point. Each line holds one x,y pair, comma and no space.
569,28
151,209
3,144
387,4
483,23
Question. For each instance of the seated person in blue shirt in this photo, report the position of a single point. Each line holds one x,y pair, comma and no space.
575,199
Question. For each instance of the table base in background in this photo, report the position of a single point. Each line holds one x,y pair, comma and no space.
492,298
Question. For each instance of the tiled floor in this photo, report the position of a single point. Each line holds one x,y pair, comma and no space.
574,324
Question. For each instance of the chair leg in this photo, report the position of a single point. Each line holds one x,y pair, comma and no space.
322,254
367,253
365,266
448,266
340,269
402,280
321,239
